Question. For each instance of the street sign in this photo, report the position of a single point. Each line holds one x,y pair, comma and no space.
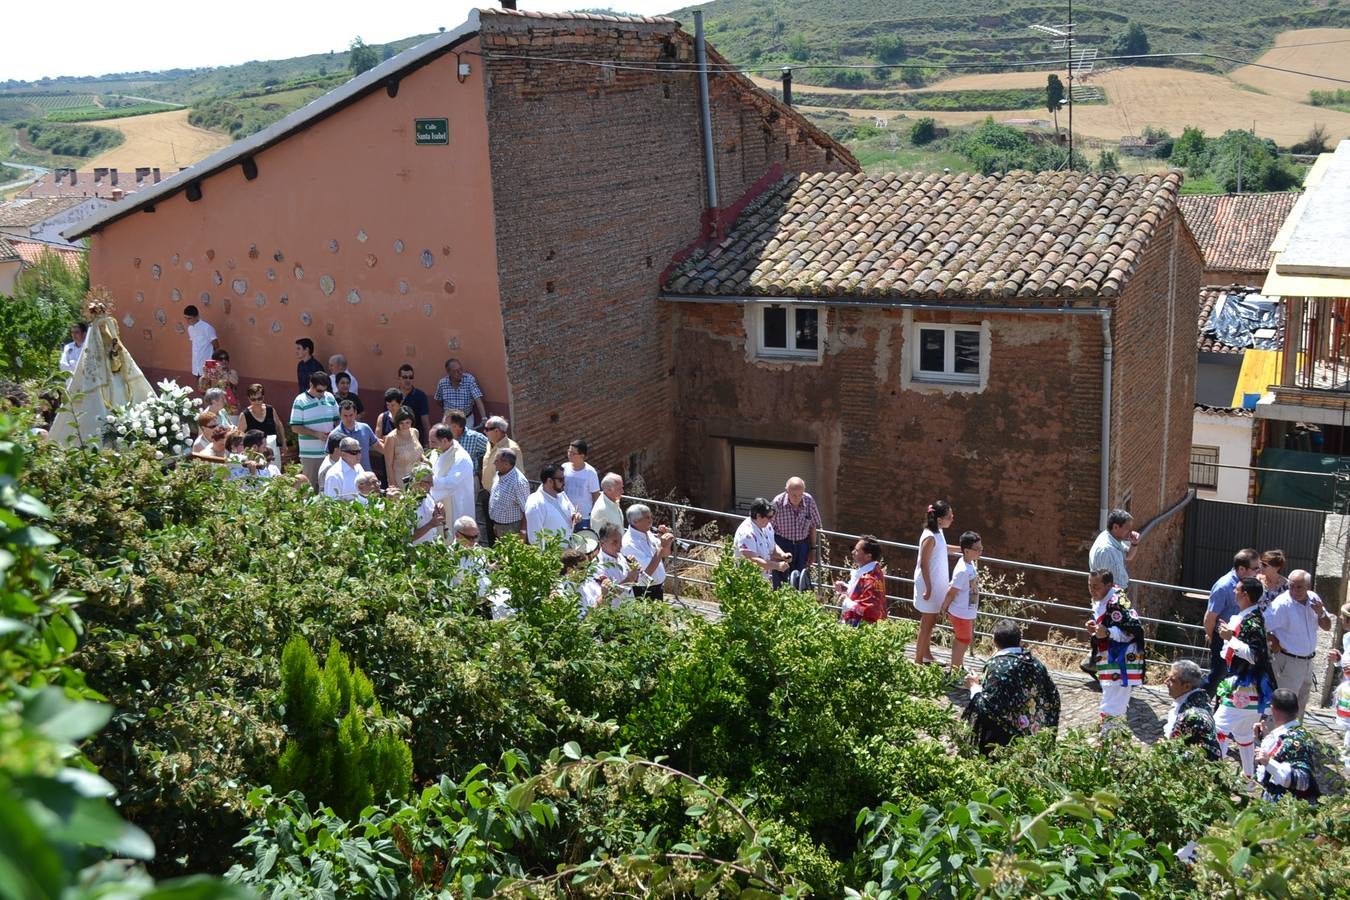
431,131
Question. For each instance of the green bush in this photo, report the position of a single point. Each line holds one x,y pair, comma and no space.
72,140
340,751
923,131
58,830
36,321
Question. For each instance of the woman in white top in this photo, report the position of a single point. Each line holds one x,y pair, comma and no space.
754,539
931,578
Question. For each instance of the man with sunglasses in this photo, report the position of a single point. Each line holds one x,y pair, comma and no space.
416,402
340,482
548,511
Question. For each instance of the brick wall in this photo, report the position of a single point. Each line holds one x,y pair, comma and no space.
1153,402
598,183
1018,460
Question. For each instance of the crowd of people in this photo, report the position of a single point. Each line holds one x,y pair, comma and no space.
1261,625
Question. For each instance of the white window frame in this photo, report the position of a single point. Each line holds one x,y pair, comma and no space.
787,354
948,375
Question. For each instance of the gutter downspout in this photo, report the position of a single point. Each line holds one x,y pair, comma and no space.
1105,476
705,115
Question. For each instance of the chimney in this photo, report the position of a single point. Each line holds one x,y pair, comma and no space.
508,4
118,193
156,174
57,175
99,174
787,86
74,177
112,177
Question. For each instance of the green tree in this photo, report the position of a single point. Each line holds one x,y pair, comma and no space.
363,56
36,321
798,49
1191,151
922,131
1240,159
1134,42
334,755
890,48
1054,96
1107,163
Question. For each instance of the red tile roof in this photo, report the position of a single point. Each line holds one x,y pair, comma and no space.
1020,235
1235,231
31,252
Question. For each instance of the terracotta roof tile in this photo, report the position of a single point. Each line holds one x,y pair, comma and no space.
1235,231
582,16
31,251
1209,296
32,211
1019,235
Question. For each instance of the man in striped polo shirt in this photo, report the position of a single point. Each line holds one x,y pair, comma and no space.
313,414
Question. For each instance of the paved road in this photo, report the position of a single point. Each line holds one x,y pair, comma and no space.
37,172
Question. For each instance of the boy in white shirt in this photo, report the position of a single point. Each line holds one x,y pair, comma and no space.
963,597
582,482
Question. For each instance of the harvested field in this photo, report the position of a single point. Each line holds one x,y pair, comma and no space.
1322,50
1171,99
165,140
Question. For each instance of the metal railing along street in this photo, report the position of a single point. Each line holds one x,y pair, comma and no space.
901,600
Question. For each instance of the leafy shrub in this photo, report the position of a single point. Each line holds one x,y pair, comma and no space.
923,131
36,321
889,48
72,140
340,749
57,827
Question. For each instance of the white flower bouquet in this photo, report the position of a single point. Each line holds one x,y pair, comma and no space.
164,422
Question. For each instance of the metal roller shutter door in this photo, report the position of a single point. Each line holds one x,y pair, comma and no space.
762,471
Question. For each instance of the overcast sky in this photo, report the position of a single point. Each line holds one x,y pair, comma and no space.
81,37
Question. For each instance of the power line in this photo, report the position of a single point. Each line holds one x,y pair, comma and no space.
1048,64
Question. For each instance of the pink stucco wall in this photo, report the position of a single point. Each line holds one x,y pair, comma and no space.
404,232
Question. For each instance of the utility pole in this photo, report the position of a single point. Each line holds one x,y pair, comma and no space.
1071,43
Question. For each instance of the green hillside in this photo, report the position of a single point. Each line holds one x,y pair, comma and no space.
803,32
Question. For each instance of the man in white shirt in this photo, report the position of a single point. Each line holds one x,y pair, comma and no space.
613,565
452,473
754,540
334,444
548,510
202,337
1112,549
606,509
473,561
70,353
337,364
649,549
583,484
1292,622
340,482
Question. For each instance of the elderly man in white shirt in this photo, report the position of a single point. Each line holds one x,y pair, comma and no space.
340,482
606,509
452,481
548,511
1292,622
649,549
613,564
